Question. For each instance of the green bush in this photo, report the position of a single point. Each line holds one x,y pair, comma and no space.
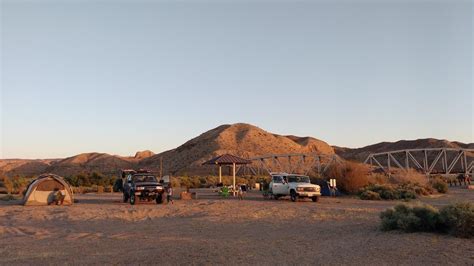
90,179
406,194
405,191
370,195
385,191
457,219
8,197
411,219
440,185
16,184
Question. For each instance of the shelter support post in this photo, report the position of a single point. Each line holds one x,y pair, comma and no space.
233,175
220,173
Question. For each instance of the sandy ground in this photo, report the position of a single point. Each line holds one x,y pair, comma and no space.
101,230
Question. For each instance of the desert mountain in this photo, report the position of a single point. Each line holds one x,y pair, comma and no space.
239,139
360,154
143,154
90,162
24,167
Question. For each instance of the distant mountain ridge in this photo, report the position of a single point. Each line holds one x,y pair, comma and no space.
239,139
360,154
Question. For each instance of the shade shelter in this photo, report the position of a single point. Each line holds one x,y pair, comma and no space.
228,159
42,189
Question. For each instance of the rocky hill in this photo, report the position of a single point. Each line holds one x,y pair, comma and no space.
91,162
239,139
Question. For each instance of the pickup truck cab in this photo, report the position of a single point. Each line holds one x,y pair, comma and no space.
293,185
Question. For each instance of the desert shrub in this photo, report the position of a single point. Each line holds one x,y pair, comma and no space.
439,185
389,193
406,194
370,195
411,219
350,176
385,191
458,219
16,185
90,179
451,180
410,176
8,183
8,197
175,182
405,191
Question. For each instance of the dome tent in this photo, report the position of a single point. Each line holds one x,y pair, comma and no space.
42,189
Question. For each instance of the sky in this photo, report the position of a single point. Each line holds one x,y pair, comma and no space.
122,76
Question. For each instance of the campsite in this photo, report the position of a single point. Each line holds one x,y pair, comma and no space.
235,132
100,229
311,205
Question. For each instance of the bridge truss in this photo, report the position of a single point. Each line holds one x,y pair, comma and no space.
430,161
297,163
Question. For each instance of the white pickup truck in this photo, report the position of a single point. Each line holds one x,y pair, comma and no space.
295,186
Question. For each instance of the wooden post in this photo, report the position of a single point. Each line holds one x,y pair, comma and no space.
161,167
220,173
233,174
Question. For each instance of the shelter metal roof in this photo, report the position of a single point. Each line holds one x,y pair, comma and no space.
228,159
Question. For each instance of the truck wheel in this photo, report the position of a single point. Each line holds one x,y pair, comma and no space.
159,199
293,196
132,198
125,197
315,199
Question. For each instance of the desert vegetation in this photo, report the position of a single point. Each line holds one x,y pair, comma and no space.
210,181
357,179
455,219
439,184
13,185
82,183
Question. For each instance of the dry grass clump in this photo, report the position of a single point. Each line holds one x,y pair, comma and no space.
15,185
370,195
8,197
351,176
439,185
389,192
456,219
403,176
356,178
404,191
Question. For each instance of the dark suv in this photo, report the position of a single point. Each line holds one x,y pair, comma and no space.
141,185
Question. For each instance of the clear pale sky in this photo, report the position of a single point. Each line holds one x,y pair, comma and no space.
122,76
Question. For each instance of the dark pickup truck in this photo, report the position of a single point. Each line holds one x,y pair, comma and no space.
139,185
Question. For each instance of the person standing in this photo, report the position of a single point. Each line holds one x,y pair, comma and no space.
169,194
240,193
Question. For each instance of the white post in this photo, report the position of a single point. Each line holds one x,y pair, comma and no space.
233,174
220,173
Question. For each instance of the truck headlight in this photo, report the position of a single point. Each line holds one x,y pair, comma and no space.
140,188
299,189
